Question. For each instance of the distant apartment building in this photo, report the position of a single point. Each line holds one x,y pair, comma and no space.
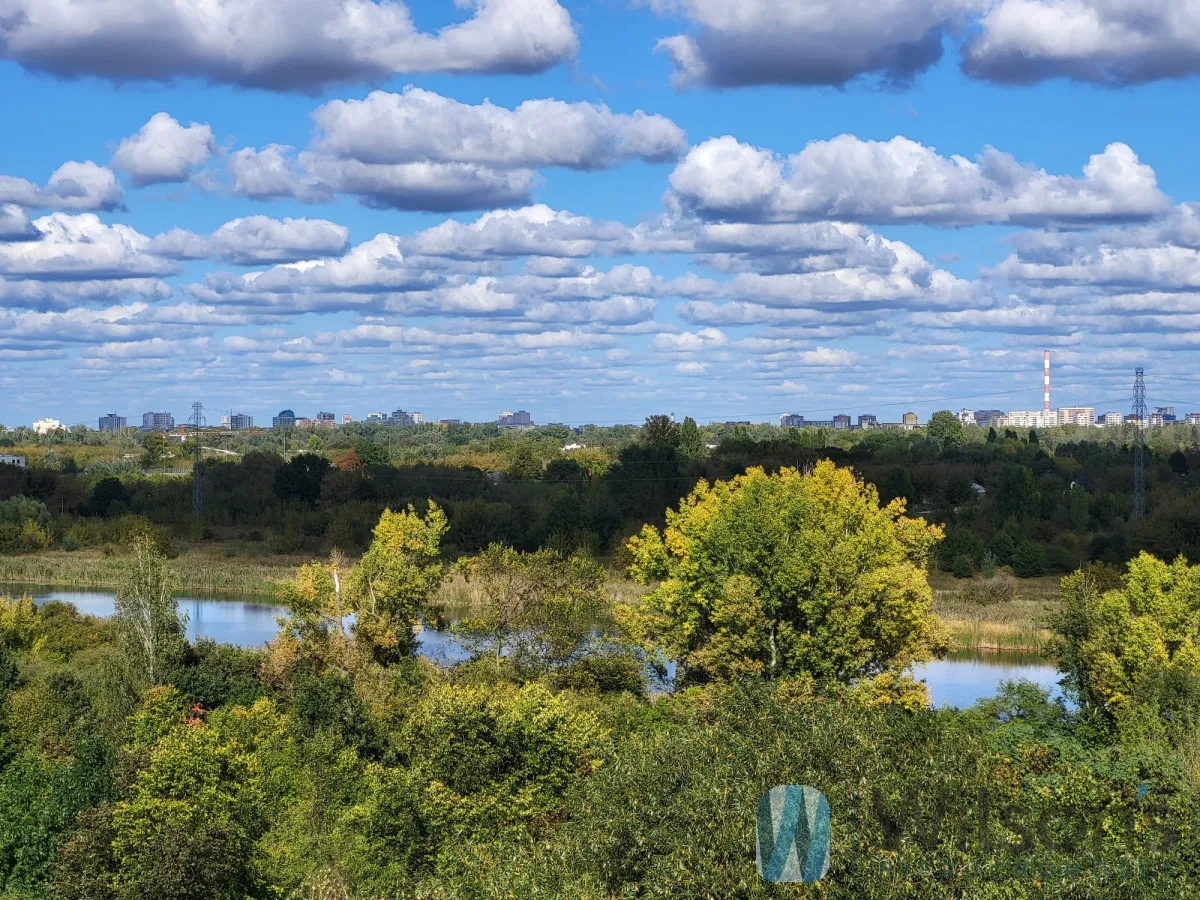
347,419
326,420
1155,420
909,420
1035,418
7,459
1114,418
966,416
518,419
1077,415
157,420
841,422
403,417
240,422
285,419
375,417
449,421
867,421
791,420
1167,412
988,418
1193,418
47,425
112,422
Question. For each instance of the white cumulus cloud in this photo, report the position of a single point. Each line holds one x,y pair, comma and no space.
163,151
900,180
277,44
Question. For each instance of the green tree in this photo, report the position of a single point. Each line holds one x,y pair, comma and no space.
315,444
945,427
393,582
301,477
786,574
149,627
1018,496
371,453
154,449
691,442
541,608
1178,462
190,824
1119,648
524,463
660,431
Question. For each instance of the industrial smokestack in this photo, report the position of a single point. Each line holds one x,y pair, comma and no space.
1046,382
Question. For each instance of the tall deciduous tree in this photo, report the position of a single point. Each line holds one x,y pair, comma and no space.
150,628
1121,649
660,431
397,575
786,574
945,427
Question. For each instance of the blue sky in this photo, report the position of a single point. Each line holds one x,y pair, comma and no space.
596,211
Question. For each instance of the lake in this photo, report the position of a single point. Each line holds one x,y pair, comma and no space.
958,681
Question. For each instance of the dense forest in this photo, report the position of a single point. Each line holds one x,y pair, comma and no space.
1040,503
334,763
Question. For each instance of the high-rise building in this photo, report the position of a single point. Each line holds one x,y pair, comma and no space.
841,422
909,420
791,420
1114,418
1077,415
402,417
285,419
518,419
1167,412
47,425
325,419
867,421
157,420
988,418
1193,418
347,419
1023,418
374,417
240,422
1155,420
112,422
966,416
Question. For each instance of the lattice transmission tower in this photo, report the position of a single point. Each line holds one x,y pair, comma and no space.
1139,446
197,422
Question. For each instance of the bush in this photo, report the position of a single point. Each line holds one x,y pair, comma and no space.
991,591
961,566
1029,560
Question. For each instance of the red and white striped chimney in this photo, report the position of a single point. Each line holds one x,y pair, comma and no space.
1046,382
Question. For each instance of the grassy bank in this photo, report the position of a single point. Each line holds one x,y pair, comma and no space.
201,570
1013,623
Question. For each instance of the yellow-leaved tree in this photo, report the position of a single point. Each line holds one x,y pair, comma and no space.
395,579
784,575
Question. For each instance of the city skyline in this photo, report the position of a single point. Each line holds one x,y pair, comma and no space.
611,213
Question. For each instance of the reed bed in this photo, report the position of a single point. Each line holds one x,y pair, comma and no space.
198,570
1015,624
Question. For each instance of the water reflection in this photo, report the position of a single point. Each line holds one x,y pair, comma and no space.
957,681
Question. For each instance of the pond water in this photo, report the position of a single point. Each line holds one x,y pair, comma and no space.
958,681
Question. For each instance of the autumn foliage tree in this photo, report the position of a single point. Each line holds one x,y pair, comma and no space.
788,574
395,578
